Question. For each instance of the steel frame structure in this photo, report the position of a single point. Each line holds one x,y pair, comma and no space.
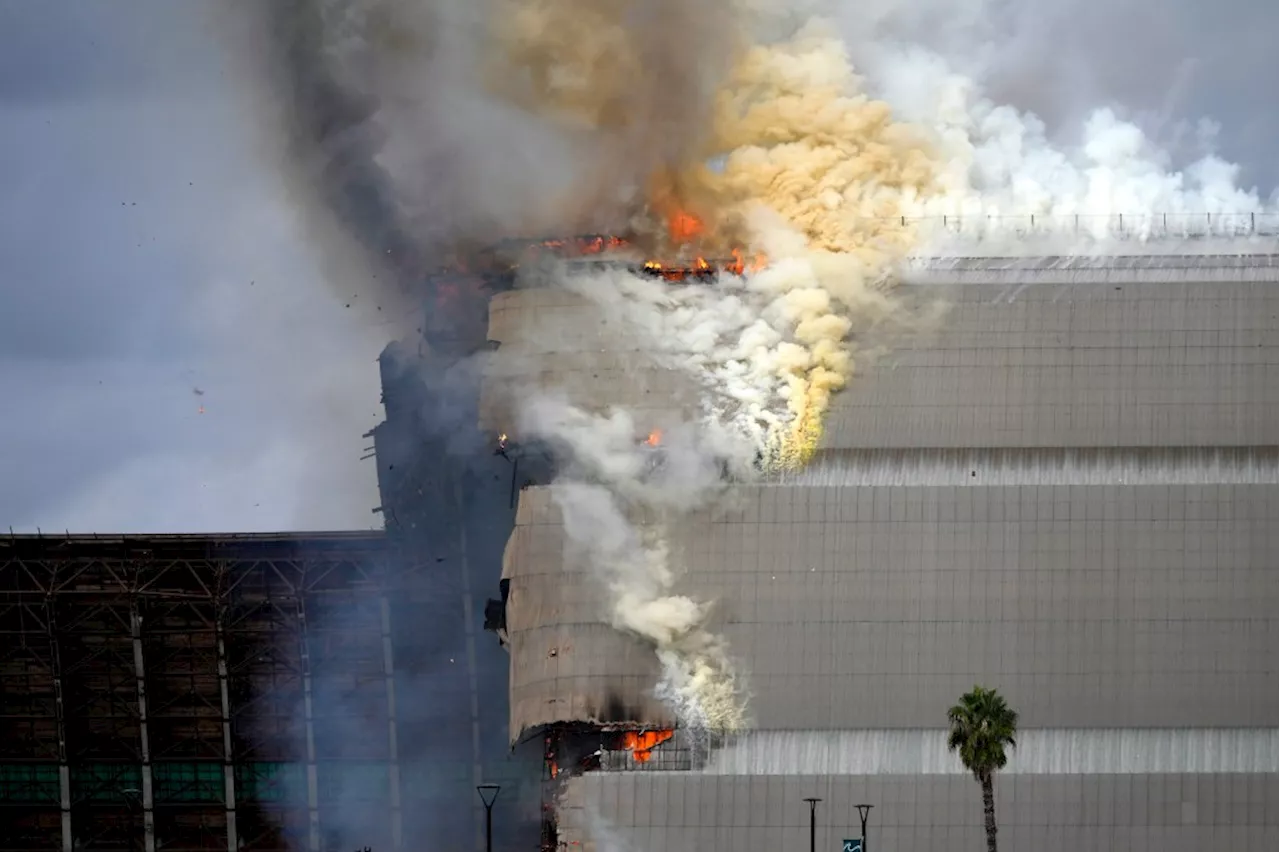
158,692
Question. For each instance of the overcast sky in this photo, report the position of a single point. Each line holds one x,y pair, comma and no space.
145,254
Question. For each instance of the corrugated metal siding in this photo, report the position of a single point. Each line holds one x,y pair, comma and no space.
679,812
1046,365
1106,553
1055,751
1090,606
1050,466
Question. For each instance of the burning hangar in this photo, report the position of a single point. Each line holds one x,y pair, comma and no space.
1067,492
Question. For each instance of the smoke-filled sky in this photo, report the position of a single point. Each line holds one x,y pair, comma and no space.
148,248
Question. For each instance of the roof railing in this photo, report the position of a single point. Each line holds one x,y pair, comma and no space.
1114,226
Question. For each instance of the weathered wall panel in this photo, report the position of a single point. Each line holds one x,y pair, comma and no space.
1077,365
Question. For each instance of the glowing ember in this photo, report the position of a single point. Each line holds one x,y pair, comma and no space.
655,438
581,246
641,744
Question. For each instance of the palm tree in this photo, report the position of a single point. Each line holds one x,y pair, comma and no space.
982,726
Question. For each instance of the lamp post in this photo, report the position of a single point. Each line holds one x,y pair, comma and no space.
813,824
488,795
864,811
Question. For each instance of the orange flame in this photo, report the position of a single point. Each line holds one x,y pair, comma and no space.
642,743
584,246
655,438
739,265
683,227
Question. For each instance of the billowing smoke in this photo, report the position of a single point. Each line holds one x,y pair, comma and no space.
819,174
1000,163
1090,170
811,176
636,77
617,499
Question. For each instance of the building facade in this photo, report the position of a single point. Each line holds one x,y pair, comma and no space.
200,692
1065,490
248,692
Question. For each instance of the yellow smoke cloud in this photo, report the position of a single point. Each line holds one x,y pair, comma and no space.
831,166
815,174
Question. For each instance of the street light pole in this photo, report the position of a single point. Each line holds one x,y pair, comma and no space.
488,795
813,824
864,811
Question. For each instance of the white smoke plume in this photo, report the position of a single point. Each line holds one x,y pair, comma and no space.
767,348
1097,173
1000,164
617,498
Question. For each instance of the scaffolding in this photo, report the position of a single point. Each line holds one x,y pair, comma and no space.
159,693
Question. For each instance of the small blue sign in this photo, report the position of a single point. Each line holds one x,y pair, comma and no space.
854,845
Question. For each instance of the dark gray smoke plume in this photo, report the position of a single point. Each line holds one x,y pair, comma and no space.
406,129
316,123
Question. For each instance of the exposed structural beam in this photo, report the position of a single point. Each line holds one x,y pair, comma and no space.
137,665
393,748
60,719
313,783
228,756
140,672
